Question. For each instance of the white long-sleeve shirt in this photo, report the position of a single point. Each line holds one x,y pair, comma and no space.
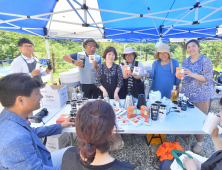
18,65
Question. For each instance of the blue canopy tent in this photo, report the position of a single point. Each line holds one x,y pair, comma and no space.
125,20
115,20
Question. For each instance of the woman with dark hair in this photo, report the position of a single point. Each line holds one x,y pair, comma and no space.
131,82
198,84
95,123
109,78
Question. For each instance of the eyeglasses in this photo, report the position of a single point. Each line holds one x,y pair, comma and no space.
91,48
28,46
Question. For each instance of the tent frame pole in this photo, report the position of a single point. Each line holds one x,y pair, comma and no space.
140,49
211,20
76,11
48,56
209,7
85,12
176,23
218,9
152,18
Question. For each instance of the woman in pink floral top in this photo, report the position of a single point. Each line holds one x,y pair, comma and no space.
198,84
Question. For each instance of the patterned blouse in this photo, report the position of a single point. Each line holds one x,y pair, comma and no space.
198,91
109,74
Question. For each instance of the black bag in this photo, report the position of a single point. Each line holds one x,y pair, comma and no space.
214,161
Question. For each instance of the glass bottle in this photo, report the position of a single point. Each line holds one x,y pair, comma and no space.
173,94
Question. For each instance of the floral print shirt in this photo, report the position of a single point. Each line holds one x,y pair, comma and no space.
198,91
108,74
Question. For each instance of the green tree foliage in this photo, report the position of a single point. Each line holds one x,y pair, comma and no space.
8,48
210,49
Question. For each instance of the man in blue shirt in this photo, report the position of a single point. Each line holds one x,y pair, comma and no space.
20,146
87,70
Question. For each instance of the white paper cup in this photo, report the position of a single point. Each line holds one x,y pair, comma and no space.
210,123
38,66
162,115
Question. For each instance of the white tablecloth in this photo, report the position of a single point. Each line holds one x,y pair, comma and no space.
51,114
190,124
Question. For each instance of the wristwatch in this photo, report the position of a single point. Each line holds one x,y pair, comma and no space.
73,61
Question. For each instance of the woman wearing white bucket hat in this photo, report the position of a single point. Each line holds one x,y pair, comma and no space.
163,71
131,82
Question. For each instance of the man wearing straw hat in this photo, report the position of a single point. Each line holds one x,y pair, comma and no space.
163,71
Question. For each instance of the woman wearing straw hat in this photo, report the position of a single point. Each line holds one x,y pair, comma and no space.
131,82
163,71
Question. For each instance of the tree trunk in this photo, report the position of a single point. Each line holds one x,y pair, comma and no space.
184,53
12,51
53,62
217,59
183,46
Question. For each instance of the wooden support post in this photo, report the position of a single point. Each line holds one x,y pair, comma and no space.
146,57
217,59
53,62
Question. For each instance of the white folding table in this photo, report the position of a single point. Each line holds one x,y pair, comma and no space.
51,114
190,124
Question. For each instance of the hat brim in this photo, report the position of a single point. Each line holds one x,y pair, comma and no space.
156,55
129,53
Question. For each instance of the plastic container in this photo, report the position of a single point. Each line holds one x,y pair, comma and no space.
74,84
211,122
147,66
38,66
69,77
74,70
